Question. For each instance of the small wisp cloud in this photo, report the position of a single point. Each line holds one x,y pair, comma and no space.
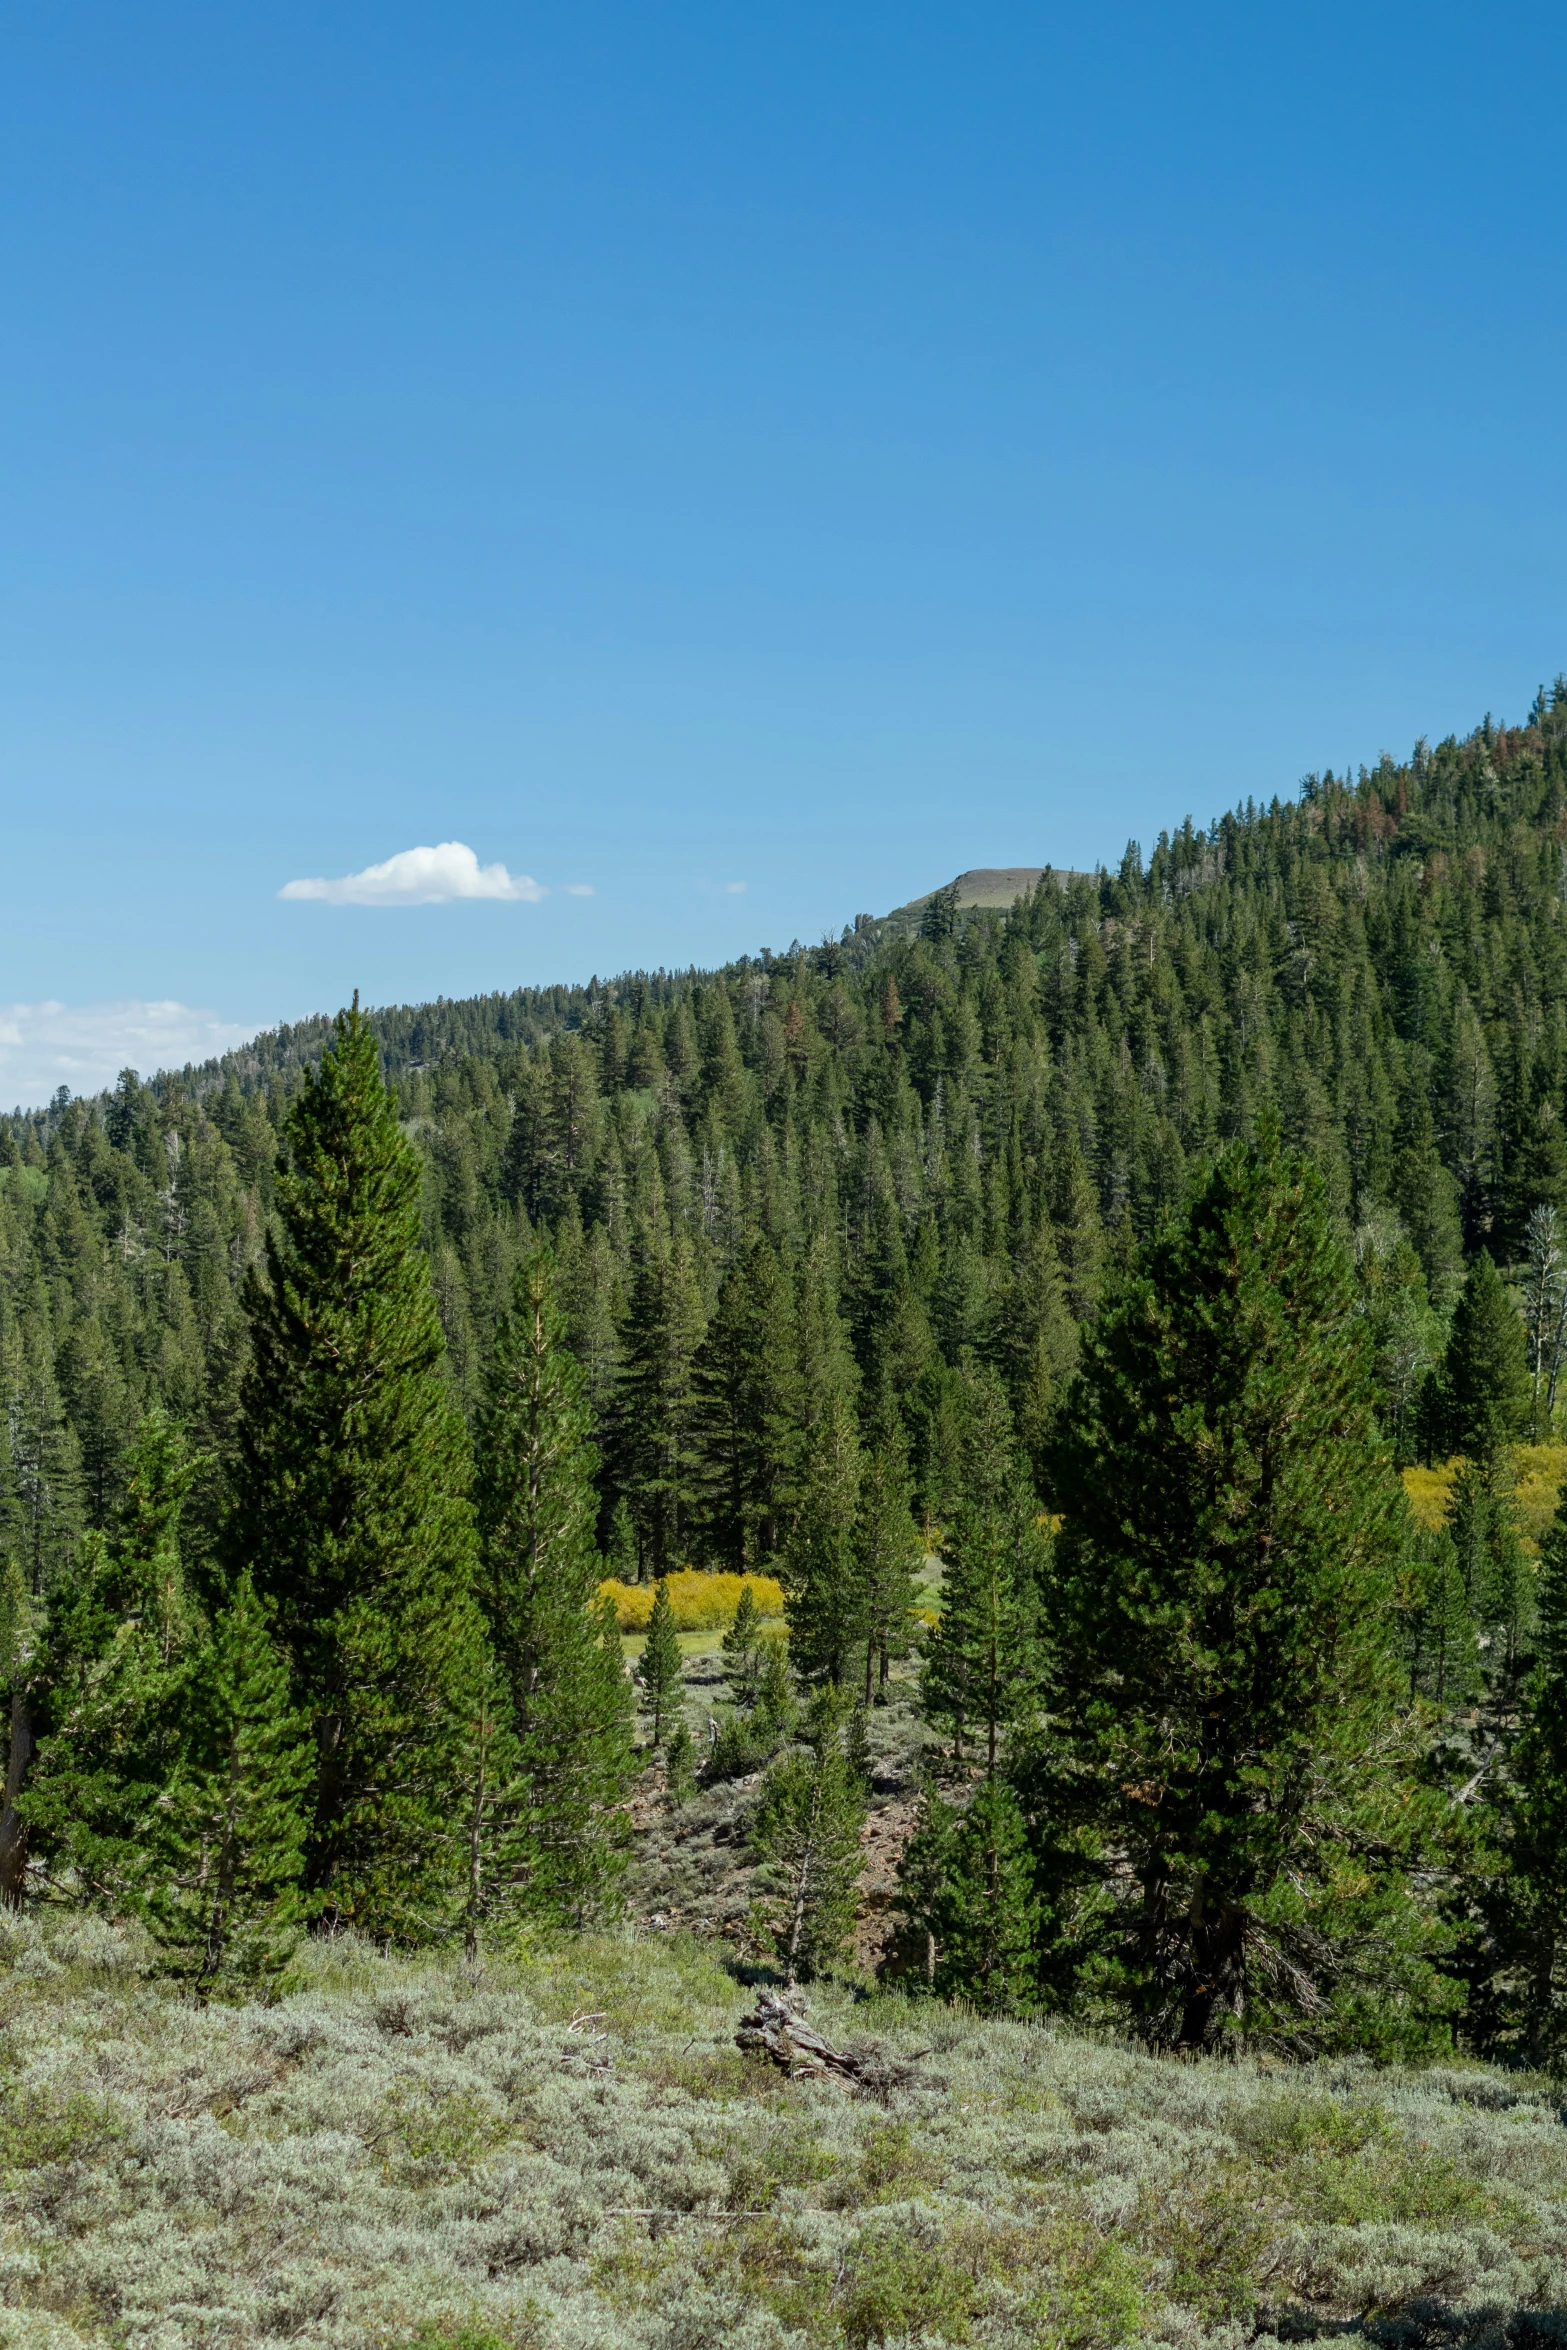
85,1046
419,877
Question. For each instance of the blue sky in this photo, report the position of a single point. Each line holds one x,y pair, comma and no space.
747,464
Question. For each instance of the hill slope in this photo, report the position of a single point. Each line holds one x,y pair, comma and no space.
568,2152
969,1126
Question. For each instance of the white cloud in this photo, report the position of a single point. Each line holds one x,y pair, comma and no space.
85,1046
419,877
579,889
734,889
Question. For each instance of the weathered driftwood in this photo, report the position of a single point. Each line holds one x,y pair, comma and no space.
777,2028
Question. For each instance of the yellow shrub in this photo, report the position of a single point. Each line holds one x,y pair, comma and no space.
1428,1490
701,1603
1538,1470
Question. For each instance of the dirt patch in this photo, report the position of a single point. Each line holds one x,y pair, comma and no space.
692,1866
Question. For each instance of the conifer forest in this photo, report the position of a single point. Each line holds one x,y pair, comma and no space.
1101,1366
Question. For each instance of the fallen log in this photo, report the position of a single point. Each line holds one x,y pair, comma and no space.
776,2028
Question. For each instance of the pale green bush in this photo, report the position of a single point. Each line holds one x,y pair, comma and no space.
565,2148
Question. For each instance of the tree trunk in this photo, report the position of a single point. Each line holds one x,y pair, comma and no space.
1217,1976
13,1828
1542,1978
475,1864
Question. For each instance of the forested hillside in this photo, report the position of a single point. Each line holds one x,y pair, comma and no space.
941,1127
788,1268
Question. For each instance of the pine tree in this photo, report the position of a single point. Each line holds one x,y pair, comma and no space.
746,1380
924,1882
590,1285
1482,1526
1224,1576
1407,1337
824,1601
1079,1234
1424,1194
107,1708
661,1670
162,1471
622,1555
1486,1372
984,1666
219,1885
1530,1901
1507,1605
1545,1310
655,1451
1469,1115
741,1648
44,1452
988,1915
1536,1173
501,1853
351,1502
18,1636
1033,1339
1444,1654
892,1332
939,915
775,1709
806,1833
888,1556
557,1645
106,1693
680,1766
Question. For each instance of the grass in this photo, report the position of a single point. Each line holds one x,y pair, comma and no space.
691,1643
563,2147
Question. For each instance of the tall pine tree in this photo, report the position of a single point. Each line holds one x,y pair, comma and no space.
351,1502
806,1834
107,1693
824,1588
1233,1532
747,1411
558,1646
888,1554
661,1670
1529,1900
655,1445
984,1667
1485,1378
971,1915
